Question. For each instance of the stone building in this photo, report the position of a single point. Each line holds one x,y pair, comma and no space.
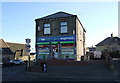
60,36
6,53
109,44
13,51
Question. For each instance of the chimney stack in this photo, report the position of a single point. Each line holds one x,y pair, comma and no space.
112,35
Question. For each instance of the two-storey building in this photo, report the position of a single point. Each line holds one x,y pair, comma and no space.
60,36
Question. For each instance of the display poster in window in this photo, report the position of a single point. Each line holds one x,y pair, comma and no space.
67,53
44,52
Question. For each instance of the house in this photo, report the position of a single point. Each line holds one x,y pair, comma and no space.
14,50
110,45
60,36
20,51
6,53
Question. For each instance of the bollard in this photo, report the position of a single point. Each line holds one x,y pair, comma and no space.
43,66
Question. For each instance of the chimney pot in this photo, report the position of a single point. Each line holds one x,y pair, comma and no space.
112,35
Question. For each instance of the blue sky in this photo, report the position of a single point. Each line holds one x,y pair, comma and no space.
100,19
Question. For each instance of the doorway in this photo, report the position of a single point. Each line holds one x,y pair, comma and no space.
55,51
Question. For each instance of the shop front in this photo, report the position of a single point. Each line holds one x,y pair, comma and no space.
59,47
67,51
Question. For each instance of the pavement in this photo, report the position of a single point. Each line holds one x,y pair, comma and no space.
95,71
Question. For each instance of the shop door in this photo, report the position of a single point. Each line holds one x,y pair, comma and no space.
55,51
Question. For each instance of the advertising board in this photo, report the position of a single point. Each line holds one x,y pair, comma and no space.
56,38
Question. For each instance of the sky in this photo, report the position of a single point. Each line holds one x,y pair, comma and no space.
99,19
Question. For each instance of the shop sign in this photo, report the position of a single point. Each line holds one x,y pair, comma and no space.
28,46
64,42
57,38
54,42
44,43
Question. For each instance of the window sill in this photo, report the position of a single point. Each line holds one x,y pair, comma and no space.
64,33
46,34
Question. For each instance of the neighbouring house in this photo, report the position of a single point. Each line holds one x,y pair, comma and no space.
14,50
110,44
20,51
60,36
6,53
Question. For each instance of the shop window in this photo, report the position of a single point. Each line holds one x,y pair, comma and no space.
43,52
63,27
47,29
67,51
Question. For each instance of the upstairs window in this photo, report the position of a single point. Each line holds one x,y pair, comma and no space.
63,27
47,29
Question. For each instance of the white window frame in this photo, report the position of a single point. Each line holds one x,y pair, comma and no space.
47,29
63,27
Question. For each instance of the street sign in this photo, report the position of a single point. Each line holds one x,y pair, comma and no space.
28,46
28,50
28,40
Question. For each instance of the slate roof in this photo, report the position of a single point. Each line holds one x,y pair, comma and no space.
17,46
57,15
109,41
3,44
9,48
4,48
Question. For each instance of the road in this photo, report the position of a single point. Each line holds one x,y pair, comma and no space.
95,71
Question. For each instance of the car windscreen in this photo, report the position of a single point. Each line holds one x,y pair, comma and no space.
16,60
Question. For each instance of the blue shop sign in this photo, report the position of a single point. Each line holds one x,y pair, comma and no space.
57,38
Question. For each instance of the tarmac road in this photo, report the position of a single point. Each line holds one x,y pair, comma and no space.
95,71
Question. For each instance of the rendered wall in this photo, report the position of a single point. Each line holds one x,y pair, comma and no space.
79,40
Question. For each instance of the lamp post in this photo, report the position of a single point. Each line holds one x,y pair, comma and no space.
28,50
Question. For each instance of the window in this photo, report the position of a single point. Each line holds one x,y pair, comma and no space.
63,28
39,28
46,28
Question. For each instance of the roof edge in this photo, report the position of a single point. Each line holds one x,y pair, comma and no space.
54,14
15,43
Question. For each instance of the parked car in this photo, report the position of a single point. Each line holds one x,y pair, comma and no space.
1,63
7,63
11,63
18,62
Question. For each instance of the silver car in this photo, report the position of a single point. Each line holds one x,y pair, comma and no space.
18,61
